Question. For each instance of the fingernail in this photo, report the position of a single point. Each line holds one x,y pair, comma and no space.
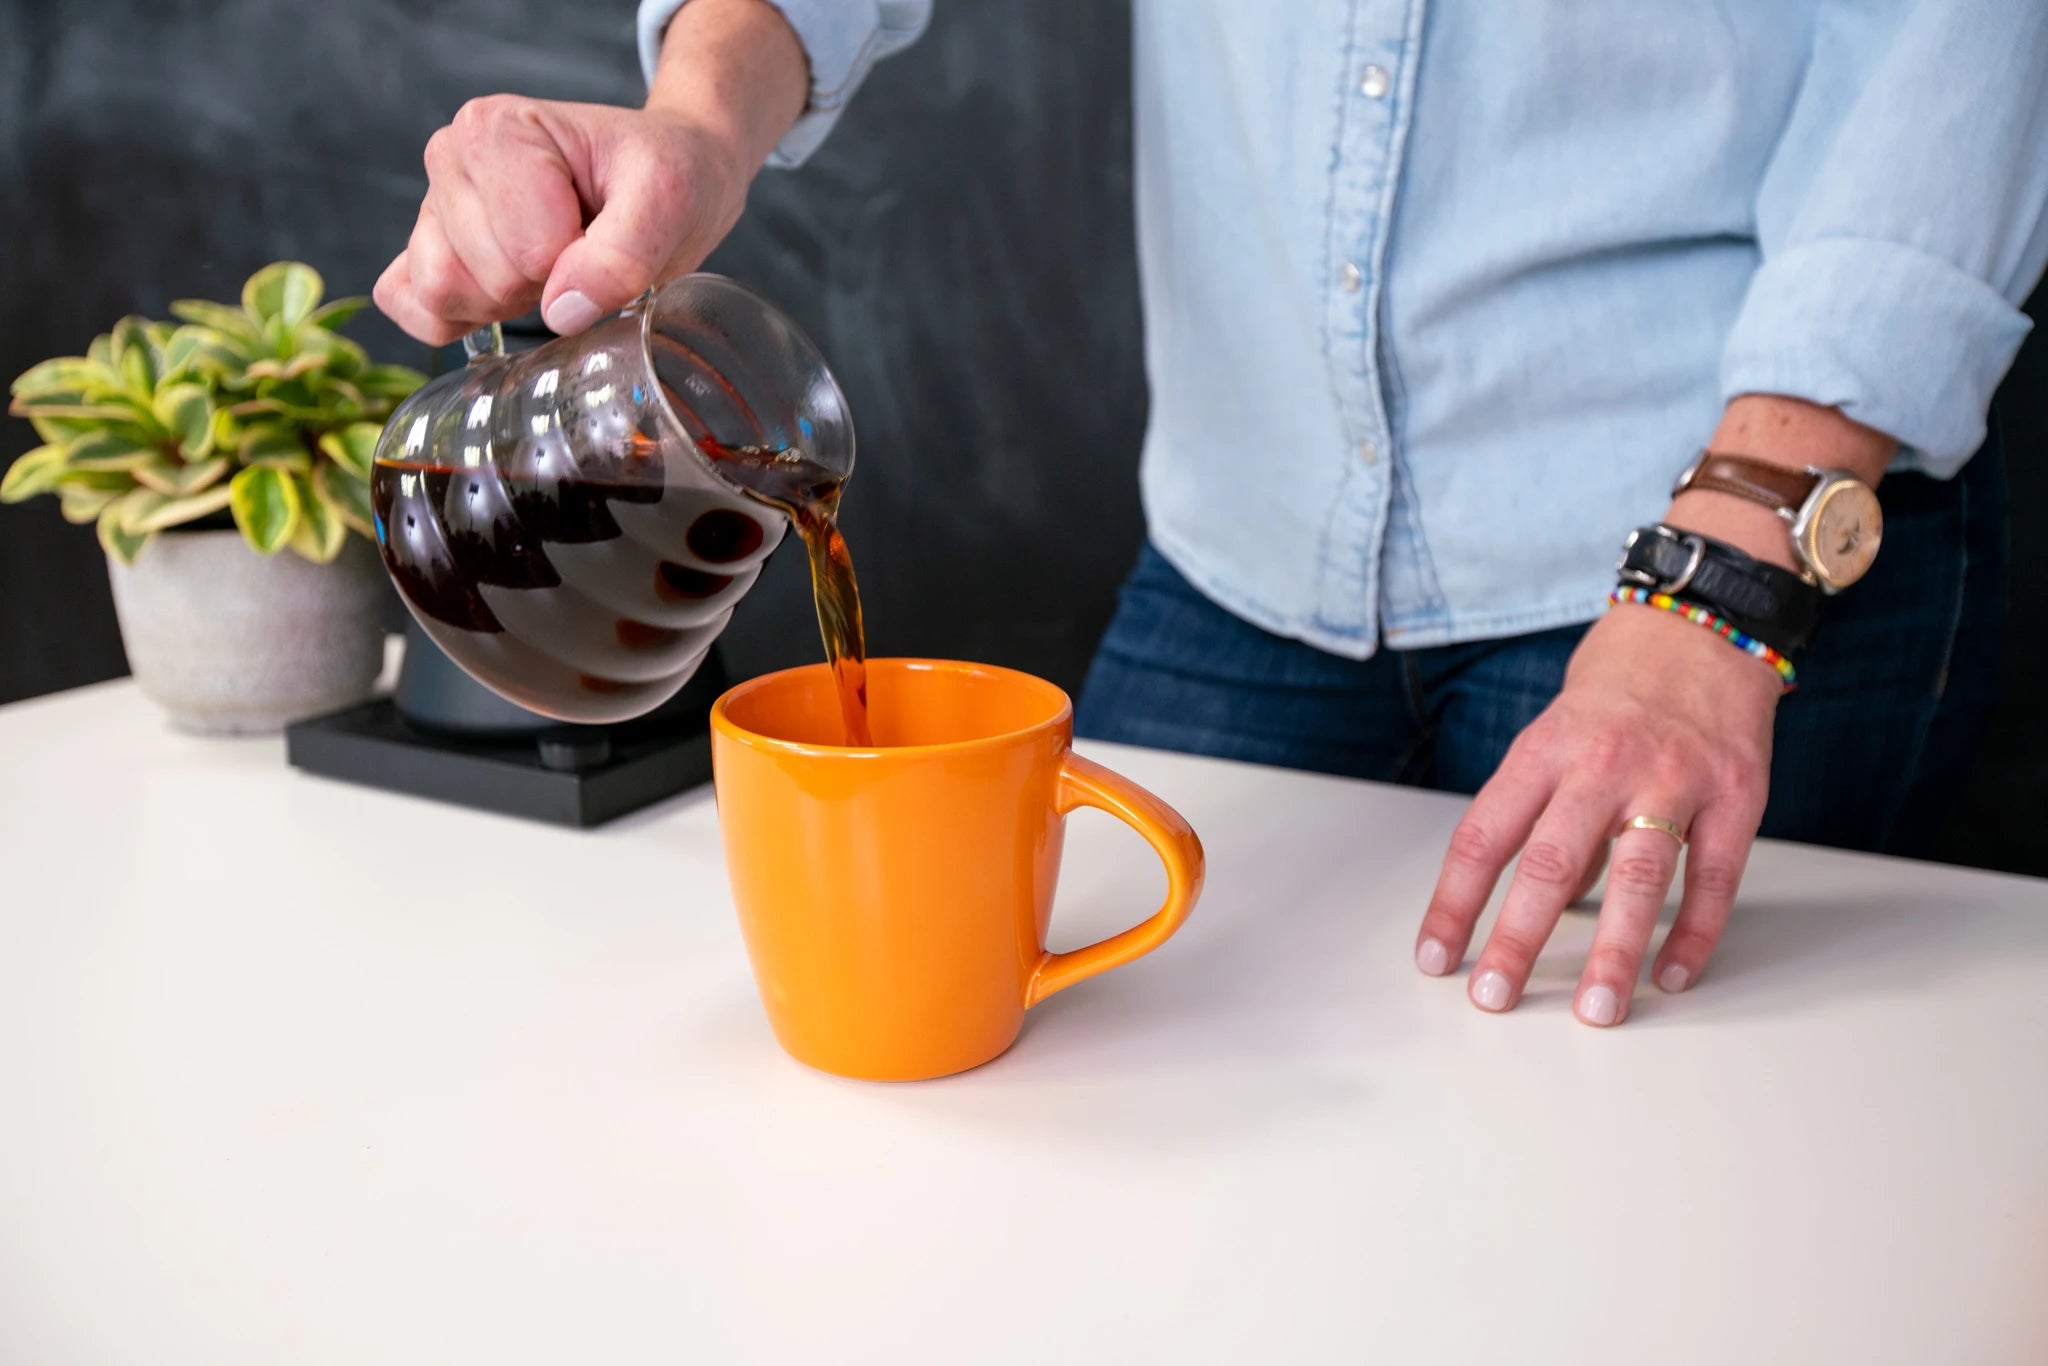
1674,978
572,313
1490,991
1432,957
1598,1005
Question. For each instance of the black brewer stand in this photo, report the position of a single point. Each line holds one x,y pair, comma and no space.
443,735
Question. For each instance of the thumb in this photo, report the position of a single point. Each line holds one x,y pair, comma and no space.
643,225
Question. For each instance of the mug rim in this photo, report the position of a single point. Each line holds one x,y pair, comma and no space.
724,725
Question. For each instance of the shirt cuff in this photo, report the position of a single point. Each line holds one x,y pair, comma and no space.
842,39
1897,339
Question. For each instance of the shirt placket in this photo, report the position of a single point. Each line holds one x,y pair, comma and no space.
1383,46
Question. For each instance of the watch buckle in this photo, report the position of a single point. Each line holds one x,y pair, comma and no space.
1697,554
1641,578
1685,478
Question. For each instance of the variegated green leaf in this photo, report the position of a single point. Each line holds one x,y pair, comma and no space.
354,447
266,507
129,334
187,414
101,353
196,350
59,431
287,369
348,496
35,472
82,503
285,290
268,440
333,315
320,531
277,410
178,511
69,405
133,506
347,401
305,363
138,371
177,481
389,381
111,481
119,542
71,375
343,357
229,321
108,452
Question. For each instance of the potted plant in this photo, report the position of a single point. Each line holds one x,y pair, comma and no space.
226,460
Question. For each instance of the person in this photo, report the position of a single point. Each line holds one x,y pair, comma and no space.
1440,298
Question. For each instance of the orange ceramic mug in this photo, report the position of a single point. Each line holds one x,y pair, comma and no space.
895,899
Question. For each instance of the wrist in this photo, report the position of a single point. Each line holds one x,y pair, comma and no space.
1744,525
736,70
1783,431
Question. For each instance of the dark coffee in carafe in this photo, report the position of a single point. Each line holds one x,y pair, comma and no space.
472,546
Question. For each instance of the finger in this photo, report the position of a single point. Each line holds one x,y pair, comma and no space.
395,295
511,193
1721,839
1593,872
1638,882
441,283
1561,846
1492,829
474,239
646,227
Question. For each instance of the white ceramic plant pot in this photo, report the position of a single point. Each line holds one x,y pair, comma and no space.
232,642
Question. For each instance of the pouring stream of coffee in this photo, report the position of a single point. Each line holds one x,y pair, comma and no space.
809,494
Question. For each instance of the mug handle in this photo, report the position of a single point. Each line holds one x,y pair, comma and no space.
1083,782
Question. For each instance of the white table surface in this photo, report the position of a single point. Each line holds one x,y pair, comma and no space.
298,1072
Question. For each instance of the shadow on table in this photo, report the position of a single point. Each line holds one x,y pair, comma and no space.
1782,956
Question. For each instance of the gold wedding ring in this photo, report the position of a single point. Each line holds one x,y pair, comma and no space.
1657,823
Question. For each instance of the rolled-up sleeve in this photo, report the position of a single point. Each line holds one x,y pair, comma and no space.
843,40
1903,219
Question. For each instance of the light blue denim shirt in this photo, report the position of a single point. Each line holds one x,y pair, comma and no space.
1440,295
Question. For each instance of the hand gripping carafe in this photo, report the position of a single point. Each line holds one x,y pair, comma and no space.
557,520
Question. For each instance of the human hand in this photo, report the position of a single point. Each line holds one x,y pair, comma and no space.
503,225
1657,717
580,207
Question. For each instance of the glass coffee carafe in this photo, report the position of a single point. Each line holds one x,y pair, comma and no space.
570,524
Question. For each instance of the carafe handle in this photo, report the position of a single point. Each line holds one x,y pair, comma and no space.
485,341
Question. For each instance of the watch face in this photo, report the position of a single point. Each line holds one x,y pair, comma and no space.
1839,532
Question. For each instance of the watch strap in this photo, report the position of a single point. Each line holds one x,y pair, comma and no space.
1775,605
1777,487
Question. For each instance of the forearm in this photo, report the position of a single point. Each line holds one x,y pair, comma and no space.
736,68
1786,431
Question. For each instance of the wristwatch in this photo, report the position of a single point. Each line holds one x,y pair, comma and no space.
1835,518
1775,605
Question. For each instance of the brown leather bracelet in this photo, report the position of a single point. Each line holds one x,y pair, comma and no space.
1778,487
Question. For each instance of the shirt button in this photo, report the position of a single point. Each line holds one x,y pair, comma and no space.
1375,83
1351,277
1368,453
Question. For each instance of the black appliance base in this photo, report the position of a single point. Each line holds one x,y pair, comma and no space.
574,778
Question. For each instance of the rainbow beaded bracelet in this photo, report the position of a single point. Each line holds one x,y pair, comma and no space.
1788,678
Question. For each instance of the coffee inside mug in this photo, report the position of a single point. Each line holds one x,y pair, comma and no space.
924,703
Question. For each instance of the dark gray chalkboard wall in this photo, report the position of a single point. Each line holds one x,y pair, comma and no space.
961,248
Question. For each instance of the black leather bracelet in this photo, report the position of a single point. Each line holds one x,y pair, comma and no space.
1775,605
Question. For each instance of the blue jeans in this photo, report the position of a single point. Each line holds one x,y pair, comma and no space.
1869,750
